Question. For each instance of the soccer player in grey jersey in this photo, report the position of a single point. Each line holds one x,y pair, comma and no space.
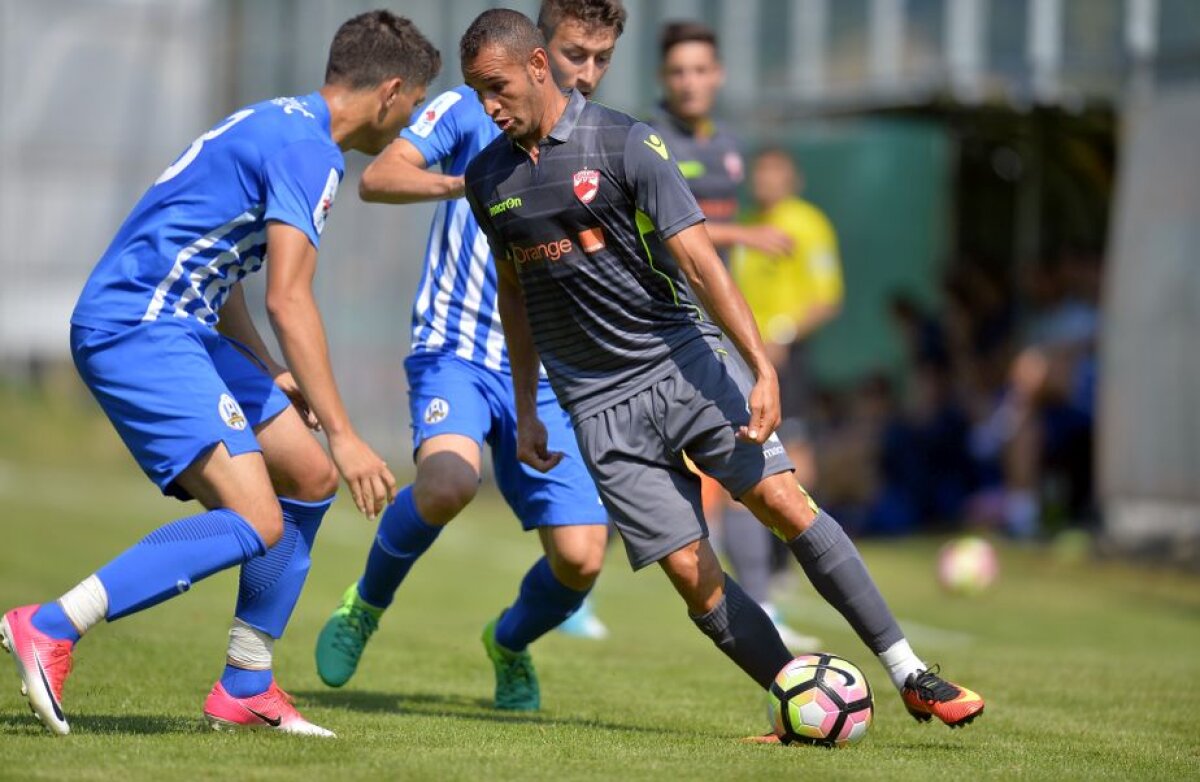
594,231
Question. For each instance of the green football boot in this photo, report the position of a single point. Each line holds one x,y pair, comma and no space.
343,638
516,680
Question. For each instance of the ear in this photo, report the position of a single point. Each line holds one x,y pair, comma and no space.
389,91
539,64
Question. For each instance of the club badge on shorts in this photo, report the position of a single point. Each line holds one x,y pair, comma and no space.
437,410
587,184
231,412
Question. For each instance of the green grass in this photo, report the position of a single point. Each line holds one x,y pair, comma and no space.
1091,671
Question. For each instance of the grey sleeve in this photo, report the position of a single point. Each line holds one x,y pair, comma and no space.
656,184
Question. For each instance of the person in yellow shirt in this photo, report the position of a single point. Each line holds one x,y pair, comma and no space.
790,295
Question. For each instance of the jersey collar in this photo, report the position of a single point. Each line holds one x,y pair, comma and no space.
566,123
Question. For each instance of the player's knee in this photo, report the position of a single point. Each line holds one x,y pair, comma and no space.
267,520
577,569
440,498
317,481
321,484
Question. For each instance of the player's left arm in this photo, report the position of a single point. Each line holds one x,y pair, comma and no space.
237,324
720,297
661,193
301,184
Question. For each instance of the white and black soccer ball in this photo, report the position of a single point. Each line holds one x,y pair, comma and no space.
820,699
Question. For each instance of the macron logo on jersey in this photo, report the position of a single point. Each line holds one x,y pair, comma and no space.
433,112
325,203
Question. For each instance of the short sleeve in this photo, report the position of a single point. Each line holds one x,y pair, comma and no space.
302,181
656,183
435,129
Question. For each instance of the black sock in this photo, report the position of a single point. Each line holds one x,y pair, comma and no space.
835,568
743,631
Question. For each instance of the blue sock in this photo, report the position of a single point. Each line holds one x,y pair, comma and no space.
243,683
543,603
53,621
270,585
402,538
167,561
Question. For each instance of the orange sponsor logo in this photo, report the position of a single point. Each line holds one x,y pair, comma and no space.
591,240
546,251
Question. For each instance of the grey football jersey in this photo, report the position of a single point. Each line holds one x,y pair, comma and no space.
584,226
710,162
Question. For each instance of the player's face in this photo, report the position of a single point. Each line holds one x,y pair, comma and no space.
691,77
580,54
508,89
772,179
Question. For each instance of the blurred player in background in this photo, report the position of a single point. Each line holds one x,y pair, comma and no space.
460,387
709,158
191,392
791,296
591,273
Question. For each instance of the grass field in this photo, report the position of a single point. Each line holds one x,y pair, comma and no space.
1090,671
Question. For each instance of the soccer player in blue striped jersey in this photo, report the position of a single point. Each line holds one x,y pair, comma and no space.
162,337
460,386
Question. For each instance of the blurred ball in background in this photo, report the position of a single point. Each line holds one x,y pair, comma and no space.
967,565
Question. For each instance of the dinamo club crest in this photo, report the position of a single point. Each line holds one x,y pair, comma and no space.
587,184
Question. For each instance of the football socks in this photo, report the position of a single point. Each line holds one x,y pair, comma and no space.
743,631
836,570
403,536
173,557
542,604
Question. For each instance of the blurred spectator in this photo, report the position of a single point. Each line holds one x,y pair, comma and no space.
791,294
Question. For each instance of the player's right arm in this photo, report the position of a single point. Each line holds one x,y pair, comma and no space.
524,363
402,175
399,175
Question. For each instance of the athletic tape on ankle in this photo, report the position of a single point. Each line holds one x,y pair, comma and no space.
249,647
86,604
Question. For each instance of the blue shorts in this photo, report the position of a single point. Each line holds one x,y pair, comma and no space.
174,389
449,395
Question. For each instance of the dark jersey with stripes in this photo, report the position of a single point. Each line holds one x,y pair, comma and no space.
584,226
710,162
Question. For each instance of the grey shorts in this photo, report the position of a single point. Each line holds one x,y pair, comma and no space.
634,452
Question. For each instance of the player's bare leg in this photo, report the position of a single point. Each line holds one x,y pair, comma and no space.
837,571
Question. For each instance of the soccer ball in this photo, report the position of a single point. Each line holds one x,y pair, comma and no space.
967,566
820,699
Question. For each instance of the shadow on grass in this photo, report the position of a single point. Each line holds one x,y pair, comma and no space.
442,705
124,724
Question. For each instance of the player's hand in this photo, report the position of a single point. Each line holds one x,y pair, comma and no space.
533,446
371,482
768,239
764,411
288,385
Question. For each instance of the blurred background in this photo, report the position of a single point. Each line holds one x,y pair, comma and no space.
1014,187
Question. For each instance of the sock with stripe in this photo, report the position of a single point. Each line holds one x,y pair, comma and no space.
403,536
543,604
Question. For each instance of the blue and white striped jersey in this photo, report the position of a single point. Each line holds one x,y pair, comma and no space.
202,226
455,309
